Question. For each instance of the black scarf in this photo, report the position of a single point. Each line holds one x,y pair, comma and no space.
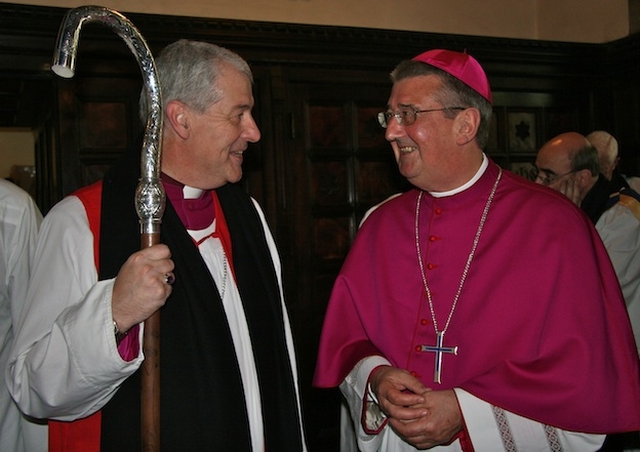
202,399
596,202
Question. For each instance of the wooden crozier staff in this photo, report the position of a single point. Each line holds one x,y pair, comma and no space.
149,196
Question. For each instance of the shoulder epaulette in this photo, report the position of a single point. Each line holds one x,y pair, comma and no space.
631,200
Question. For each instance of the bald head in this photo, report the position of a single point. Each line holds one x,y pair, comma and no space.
566,152
607,147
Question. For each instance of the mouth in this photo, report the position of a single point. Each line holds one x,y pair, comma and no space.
406,149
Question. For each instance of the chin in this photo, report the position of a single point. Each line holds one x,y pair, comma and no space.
407,171
234,179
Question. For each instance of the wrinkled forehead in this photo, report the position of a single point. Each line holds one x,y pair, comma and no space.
234,84
419,91
552,160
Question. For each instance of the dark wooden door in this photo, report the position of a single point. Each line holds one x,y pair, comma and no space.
338,165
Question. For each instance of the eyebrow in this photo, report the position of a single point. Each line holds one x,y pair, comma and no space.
547,171
402,106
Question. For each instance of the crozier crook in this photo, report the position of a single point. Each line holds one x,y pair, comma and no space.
149,196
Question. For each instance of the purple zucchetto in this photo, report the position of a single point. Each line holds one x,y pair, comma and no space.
461,66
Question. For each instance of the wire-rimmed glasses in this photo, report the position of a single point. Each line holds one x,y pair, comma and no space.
407,116
548,177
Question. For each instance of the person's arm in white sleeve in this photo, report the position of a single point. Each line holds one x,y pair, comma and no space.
361,407
619,230
21,232
490,427
65,363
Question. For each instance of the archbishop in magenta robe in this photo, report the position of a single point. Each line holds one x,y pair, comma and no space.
541,325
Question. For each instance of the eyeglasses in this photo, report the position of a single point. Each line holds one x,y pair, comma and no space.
407,116
548,177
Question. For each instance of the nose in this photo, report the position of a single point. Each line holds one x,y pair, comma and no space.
393,130
251,132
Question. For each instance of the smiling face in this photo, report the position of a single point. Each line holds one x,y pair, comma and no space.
213,142
427,150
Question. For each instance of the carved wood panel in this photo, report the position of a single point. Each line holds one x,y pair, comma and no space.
343,166
97,122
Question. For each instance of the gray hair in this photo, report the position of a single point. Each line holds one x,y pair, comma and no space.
585,157
188,71
452,93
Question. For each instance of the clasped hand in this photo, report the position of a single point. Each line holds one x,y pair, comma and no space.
141,287
421,416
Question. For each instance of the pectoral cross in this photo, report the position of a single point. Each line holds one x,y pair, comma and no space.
439,349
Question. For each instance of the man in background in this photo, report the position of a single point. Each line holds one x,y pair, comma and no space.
607,147
19,223
569,164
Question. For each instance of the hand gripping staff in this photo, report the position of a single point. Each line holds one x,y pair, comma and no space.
149,196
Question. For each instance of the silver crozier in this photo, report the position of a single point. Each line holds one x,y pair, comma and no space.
149,196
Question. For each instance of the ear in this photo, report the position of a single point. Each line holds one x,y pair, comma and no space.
179,116
466,125
583,177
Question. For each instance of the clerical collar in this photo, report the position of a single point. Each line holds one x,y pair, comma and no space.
194,206
473,180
